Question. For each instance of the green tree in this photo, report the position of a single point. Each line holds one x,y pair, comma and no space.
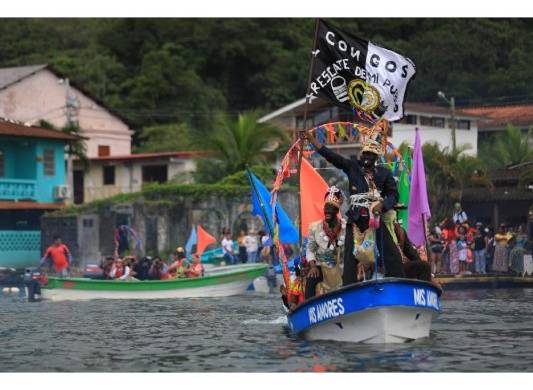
449,173
165,138
512,147
238,142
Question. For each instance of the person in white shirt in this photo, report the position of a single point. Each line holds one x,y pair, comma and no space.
227,248
252,246
459,216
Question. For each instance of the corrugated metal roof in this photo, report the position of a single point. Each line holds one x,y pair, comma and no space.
139,156
501,116
15,129
28,205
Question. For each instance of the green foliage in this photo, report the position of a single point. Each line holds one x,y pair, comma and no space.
160,195
157,71
237,143
264,173
165,138
448,174
512,147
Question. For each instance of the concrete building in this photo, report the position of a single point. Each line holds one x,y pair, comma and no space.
32,93
434,123
32,181
112,175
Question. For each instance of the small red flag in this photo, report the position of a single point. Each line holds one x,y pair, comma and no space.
204,240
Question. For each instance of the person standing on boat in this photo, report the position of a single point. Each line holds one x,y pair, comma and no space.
364,177
325,247
60,256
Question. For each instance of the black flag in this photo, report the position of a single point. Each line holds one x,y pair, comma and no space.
354,73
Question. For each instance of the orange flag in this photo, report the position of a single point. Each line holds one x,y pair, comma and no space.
312,189
204,239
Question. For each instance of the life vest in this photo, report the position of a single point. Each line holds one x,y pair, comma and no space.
196,270
119,272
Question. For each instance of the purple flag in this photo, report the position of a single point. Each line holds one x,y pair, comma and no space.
418,197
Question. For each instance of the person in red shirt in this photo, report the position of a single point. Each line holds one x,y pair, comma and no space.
59,255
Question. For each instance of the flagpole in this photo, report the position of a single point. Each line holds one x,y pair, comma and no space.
300,156
262,205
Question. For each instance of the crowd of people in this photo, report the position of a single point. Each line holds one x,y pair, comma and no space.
252,247
151,268
459,247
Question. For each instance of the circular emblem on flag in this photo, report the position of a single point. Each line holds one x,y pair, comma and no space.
363,96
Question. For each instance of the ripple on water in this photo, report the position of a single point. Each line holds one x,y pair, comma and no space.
479,330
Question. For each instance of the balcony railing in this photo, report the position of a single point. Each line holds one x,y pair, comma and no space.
17,189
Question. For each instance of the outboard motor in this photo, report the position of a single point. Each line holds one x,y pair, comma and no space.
33,279
271,277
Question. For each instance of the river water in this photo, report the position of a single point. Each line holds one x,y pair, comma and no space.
479,330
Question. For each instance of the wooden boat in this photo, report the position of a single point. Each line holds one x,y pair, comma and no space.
217,282
388,310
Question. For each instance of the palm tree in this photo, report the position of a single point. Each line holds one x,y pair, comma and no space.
236,143
511,148
449,173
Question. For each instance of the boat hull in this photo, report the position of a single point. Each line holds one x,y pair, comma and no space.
383,311
221,282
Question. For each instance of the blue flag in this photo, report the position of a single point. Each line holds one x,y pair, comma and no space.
287,232
193,239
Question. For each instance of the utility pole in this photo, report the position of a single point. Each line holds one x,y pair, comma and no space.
72,105
451,102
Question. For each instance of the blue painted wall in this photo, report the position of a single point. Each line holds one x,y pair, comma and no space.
24,159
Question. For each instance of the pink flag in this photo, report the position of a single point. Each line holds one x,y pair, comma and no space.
418,197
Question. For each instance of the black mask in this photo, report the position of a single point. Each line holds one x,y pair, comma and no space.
368,159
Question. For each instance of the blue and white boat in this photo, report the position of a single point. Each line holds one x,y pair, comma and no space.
388,310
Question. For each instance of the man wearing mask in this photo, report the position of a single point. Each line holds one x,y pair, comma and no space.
364,176
325,246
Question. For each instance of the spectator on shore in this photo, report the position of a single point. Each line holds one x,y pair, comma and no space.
459,216
437,247
252,246
480,246
242,248
500,262
462,248
227,248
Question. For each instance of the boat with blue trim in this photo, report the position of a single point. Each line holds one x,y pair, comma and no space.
387,310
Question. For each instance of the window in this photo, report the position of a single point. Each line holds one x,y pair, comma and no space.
409,120
104,150
2,172
109,175
300,122
425,121
154,173
463,124
49,162
437,122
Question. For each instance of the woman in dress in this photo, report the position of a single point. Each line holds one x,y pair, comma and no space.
500,261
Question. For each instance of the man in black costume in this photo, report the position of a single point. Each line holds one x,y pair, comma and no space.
364,177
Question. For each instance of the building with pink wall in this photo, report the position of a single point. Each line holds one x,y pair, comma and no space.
31,93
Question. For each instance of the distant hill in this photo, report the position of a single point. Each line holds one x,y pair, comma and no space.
157,71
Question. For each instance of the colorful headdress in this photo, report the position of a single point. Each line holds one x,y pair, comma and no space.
372,146
334,196
374,140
